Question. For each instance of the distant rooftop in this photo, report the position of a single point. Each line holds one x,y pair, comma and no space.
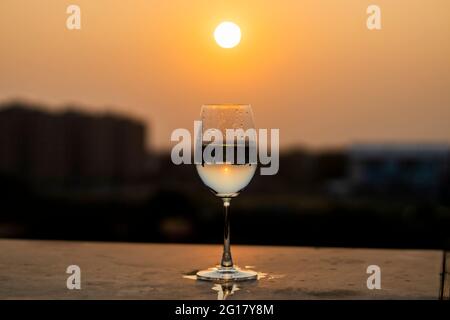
399,148
25,107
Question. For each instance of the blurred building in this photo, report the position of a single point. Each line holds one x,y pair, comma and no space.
70,147
421,168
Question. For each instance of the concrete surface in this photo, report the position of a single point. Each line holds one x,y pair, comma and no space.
37,270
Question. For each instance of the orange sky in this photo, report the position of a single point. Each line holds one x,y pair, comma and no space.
310,67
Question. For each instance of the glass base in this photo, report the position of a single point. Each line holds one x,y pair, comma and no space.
226,274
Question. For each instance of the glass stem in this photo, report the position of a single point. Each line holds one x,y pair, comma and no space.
227,261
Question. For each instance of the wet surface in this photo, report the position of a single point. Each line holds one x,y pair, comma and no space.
228,288
37,270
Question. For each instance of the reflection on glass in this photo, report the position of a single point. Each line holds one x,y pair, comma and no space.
225,289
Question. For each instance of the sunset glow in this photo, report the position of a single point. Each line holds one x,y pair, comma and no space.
310,68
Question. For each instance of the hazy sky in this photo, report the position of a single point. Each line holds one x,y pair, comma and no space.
310,67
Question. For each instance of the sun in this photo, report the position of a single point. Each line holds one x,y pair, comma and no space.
227,34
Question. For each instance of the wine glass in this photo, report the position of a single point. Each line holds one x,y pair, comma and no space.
228,176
